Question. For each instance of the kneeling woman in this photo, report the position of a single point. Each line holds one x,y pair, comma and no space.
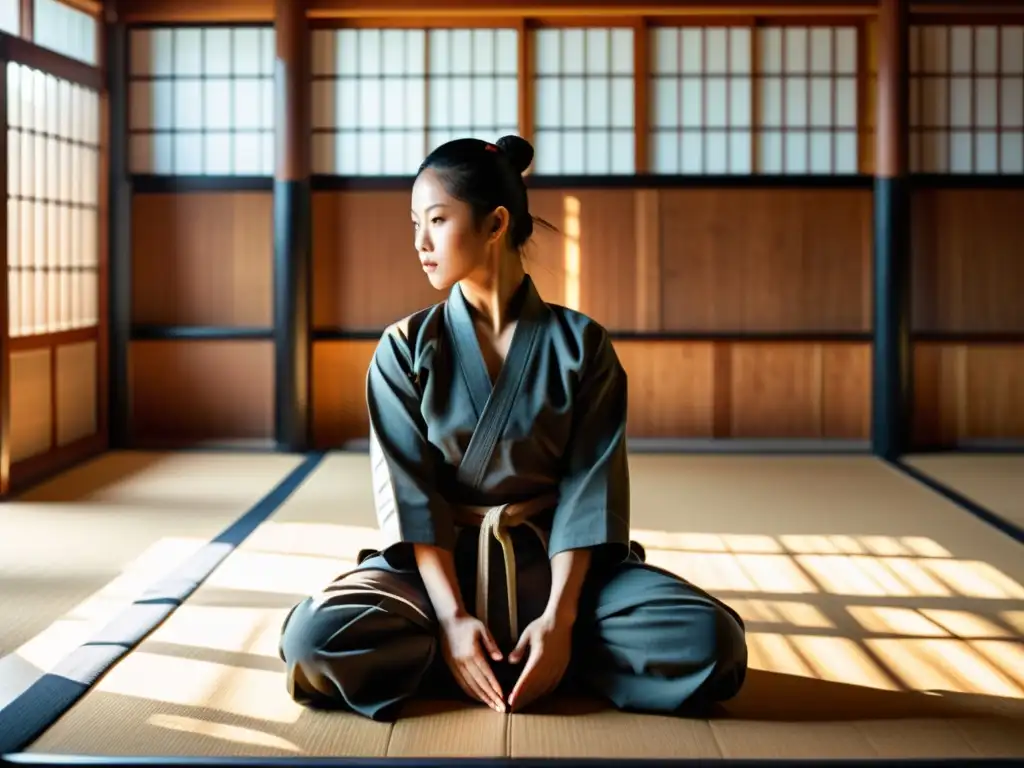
499,468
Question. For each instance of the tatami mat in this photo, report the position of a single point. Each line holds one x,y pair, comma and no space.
78,549
995,481
883,621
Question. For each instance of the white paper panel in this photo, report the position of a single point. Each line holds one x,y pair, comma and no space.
740,97
598,94
740,147
1012,50
961,152
770,154
10,16
846,102
664,149
692,49
664,46
797,149
960,102
692,96
846,51
821,50
961,46
716,94
716,58
845,152
1012,107
986,152
771,51
795,50
548,52
188,51
65,30
1012,151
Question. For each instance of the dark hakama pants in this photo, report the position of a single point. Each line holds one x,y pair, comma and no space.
644,639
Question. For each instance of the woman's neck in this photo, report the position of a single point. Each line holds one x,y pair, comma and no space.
490,291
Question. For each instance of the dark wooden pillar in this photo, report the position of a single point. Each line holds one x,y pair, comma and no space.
119,224
5,309
292,224
891,375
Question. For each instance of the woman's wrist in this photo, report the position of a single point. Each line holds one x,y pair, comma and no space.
437,570
568,573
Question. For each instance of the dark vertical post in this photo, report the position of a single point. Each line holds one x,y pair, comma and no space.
5,309
891,374
292,224
119,222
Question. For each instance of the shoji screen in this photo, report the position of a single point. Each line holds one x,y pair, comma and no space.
584,110
807,121
383,98
738,100
65,30
10,16
202,101
474,88
53,185
967,99
701,100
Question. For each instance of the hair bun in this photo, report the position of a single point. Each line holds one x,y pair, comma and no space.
518,150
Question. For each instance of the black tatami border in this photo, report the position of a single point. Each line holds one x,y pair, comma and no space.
965,503
62,761
27,717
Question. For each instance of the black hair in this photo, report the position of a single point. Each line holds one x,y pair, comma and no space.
486,176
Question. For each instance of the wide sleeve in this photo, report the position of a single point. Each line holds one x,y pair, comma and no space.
404,464
593,508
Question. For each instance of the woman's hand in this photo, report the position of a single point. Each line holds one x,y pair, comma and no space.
464,642
549,642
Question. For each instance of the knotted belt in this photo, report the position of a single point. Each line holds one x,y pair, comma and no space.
495,521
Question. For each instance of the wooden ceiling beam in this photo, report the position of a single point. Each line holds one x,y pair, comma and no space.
487,12
92,7
205,12
553,9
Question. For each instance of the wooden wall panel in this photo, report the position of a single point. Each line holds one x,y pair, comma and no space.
202,259
671,388
965,392
968,260
201,390
800,390
31,383
366,273
766,260
677,390
846,391
339,391
635,260
76,396
590,264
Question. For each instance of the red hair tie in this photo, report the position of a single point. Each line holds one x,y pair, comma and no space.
491,148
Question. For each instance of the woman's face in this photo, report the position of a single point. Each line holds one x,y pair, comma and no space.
450,245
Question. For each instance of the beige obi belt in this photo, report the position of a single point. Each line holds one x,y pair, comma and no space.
495,521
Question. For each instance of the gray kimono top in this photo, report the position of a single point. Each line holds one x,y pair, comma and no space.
554,421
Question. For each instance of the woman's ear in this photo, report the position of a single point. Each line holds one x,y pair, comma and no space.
499,222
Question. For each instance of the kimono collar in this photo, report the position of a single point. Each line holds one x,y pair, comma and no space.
531,305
